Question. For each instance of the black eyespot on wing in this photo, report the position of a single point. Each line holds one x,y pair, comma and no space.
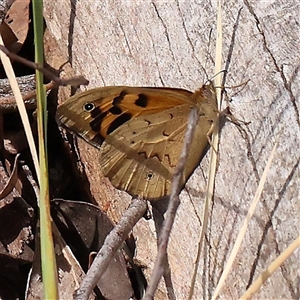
142,100
96,123
115,110
117,100
89,106
118,122
150,176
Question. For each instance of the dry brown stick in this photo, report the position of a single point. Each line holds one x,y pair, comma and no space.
11,182
159,218
4,7
9,104
32,181
75,80
174,202
111,244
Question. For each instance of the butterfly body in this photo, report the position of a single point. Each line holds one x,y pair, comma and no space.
140,133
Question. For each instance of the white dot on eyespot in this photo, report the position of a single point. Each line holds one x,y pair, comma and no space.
88,107
149,176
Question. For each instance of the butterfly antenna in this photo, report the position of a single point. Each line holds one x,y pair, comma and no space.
222,71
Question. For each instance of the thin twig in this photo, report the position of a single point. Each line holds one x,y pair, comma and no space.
174,202
4,7
74,80
11,182
159,218
111,244
32,181
8,104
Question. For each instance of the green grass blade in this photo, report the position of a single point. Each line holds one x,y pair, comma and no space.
49,272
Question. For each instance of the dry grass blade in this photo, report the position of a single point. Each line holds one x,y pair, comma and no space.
21,106
172,208
245,225
215,145
111,244
271,269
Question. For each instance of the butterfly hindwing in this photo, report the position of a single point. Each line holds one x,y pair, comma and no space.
141,155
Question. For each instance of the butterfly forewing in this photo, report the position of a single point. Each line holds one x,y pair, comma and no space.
113,106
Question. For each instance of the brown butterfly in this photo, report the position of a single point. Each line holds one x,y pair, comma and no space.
140,132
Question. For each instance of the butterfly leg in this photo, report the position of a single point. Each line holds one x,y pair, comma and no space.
208,136
229,116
